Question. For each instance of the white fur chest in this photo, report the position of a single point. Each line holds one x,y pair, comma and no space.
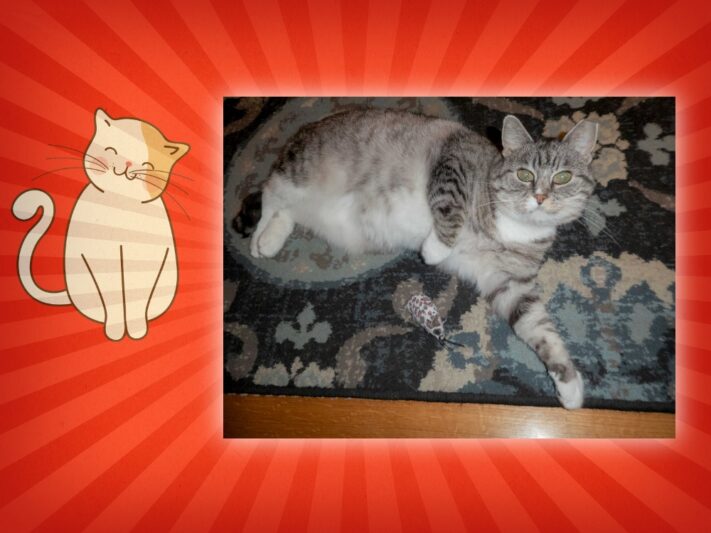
511,230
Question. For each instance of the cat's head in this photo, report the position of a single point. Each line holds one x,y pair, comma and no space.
545,183
130,157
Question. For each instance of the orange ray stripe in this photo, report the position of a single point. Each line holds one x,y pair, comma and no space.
380,486
271,499
380,44
100,455
540,23
27,59
694,310
25,408
681,472
675,63
691,443
89,28
437,499
693,412
162,513
672,504
695,117
354,514
265,17
237,23
694,358
409,498
325,19
83,507
694,172
462,488
564,489
354,24
327,501
504,506
471,22
51,456
170,25
295,515
210,497
541,508
236,508
620,27
436,35
61,51
131,505
410,22
580,22
504,23
624,506
299,29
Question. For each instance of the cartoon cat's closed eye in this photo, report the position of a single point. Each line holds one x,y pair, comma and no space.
120,262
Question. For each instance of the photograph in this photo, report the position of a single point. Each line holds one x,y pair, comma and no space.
498,251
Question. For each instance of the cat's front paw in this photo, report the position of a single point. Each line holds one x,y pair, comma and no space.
570,394
254,247
434,251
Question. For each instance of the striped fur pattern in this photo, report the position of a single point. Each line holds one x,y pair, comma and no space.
372,180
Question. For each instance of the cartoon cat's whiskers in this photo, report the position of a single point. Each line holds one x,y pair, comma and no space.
56,170
163,191
172,185
97,162
174,174
82,152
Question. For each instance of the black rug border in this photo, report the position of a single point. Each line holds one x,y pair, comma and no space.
452,397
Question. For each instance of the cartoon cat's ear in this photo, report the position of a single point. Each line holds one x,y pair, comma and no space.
102,118
176,150
513,135
582,138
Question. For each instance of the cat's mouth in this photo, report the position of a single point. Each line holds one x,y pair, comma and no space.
131,176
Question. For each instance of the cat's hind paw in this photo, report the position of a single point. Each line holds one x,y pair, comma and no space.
571,393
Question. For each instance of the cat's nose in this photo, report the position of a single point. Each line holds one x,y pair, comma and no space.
540,198
128,164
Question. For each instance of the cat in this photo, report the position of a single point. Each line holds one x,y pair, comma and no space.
120,262
377,180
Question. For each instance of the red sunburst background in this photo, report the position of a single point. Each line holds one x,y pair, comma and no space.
112,436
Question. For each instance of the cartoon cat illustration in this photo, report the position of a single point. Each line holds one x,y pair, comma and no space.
119,258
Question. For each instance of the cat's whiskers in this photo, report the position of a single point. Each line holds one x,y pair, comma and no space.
82,152
172,173
164,191
53,171
596,226
80,160
137,173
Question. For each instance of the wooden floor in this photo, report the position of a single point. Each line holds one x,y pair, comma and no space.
250,416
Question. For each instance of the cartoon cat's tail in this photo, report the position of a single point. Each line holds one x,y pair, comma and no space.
24,208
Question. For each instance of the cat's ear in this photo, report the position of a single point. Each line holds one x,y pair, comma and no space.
102,118
176,150
513,135
582,138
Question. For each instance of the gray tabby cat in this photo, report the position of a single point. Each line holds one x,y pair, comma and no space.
372,180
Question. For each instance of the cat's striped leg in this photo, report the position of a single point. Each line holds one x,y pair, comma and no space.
519,303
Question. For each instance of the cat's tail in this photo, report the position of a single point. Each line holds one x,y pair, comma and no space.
24,208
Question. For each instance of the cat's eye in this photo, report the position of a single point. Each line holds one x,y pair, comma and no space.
146,163
562,177
111,148
524,175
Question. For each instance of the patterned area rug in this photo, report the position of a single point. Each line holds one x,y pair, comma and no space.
316,321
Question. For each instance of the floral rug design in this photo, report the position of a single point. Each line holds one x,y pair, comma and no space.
315,321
